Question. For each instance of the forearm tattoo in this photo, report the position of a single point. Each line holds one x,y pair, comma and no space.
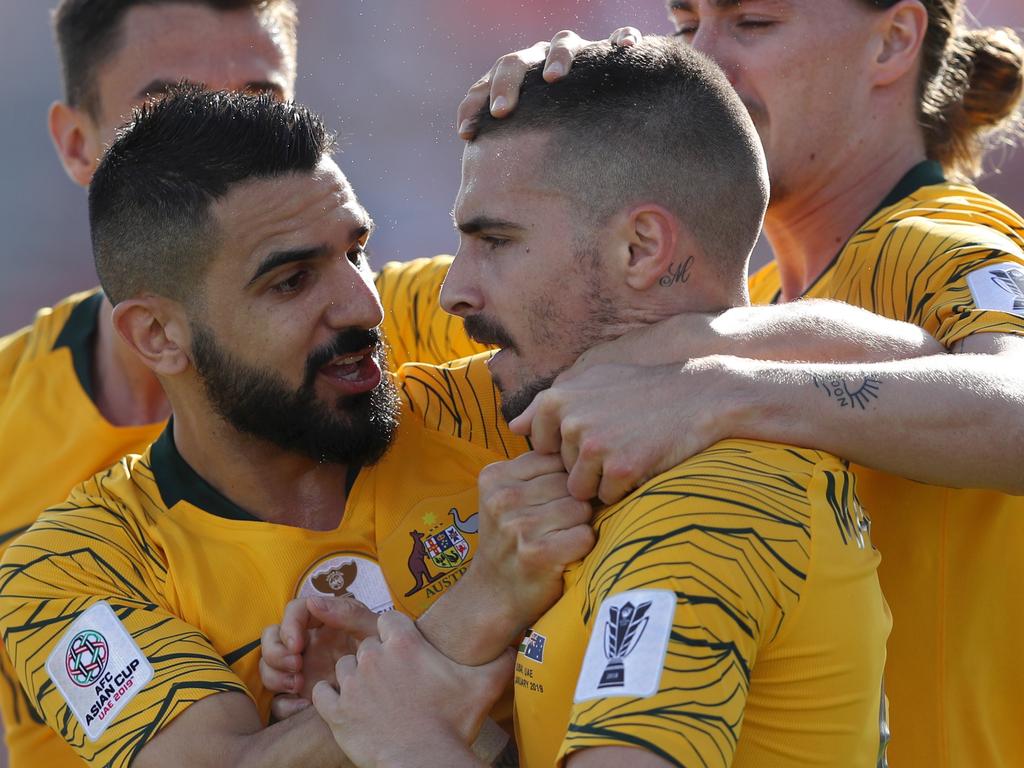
849,393
677,274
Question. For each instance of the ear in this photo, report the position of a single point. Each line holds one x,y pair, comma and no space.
156,330
655,246
76,139
902,30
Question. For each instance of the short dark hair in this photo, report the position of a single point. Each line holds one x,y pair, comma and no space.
150,198
656,122
89,31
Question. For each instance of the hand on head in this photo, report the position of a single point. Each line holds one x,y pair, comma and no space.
500,86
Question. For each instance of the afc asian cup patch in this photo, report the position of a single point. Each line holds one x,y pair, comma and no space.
626,652
999,287
98,668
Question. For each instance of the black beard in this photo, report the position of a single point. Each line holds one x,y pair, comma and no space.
357,430
514,403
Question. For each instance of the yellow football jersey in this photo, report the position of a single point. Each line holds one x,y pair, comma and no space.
417,329
949,259
729,615
46,410
147,589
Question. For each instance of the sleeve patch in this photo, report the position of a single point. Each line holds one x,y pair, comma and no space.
98,668
999,287
626,652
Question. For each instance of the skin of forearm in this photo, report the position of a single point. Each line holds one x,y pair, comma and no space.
815,330
470,624
901,417
303,741
202,738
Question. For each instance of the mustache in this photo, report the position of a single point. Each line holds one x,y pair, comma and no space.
486,331
346,342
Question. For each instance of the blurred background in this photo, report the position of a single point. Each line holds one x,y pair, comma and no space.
387,75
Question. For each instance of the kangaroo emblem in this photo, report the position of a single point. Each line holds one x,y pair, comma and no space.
418,564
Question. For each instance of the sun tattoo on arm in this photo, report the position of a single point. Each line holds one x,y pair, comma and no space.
849,393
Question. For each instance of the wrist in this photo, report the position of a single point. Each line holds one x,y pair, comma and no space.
486,618
739,404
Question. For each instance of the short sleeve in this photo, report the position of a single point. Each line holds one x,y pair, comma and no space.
692,579
417,328
100,655
960,279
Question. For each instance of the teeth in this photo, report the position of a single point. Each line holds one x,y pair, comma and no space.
352,359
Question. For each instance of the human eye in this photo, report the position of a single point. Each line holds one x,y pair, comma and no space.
291,284
357,255
493,242
753,24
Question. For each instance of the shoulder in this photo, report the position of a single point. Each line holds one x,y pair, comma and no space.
52,325
942,219
409,274
459,399
104,526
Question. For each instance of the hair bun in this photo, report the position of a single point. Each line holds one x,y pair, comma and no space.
995,71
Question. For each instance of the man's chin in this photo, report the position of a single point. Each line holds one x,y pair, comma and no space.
514,403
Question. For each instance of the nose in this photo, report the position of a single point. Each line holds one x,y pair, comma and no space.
711,41
352,300
460,293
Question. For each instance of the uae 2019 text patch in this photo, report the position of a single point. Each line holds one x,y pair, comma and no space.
626,652
98,668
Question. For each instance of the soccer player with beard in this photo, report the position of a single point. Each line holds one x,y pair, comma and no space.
232,248
70,388
730,612
874,114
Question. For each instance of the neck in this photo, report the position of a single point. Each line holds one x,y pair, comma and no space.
808,228
269,483
127,393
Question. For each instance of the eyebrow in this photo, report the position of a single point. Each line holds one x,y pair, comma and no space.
280,258
480,223
162,87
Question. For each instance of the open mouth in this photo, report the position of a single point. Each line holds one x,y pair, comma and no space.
353,373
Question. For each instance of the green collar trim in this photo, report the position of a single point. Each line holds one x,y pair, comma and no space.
924,174
177,482
78,335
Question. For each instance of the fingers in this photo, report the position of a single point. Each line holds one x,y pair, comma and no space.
626,37
585,476
344,613
394,625
523,423
476,99
294,624
564,47
279,680
284,706
275,653
616,485
507,77
526,467
326,699
571,544
545,428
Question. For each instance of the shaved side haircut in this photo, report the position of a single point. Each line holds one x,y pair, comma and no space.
151,196
656,122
